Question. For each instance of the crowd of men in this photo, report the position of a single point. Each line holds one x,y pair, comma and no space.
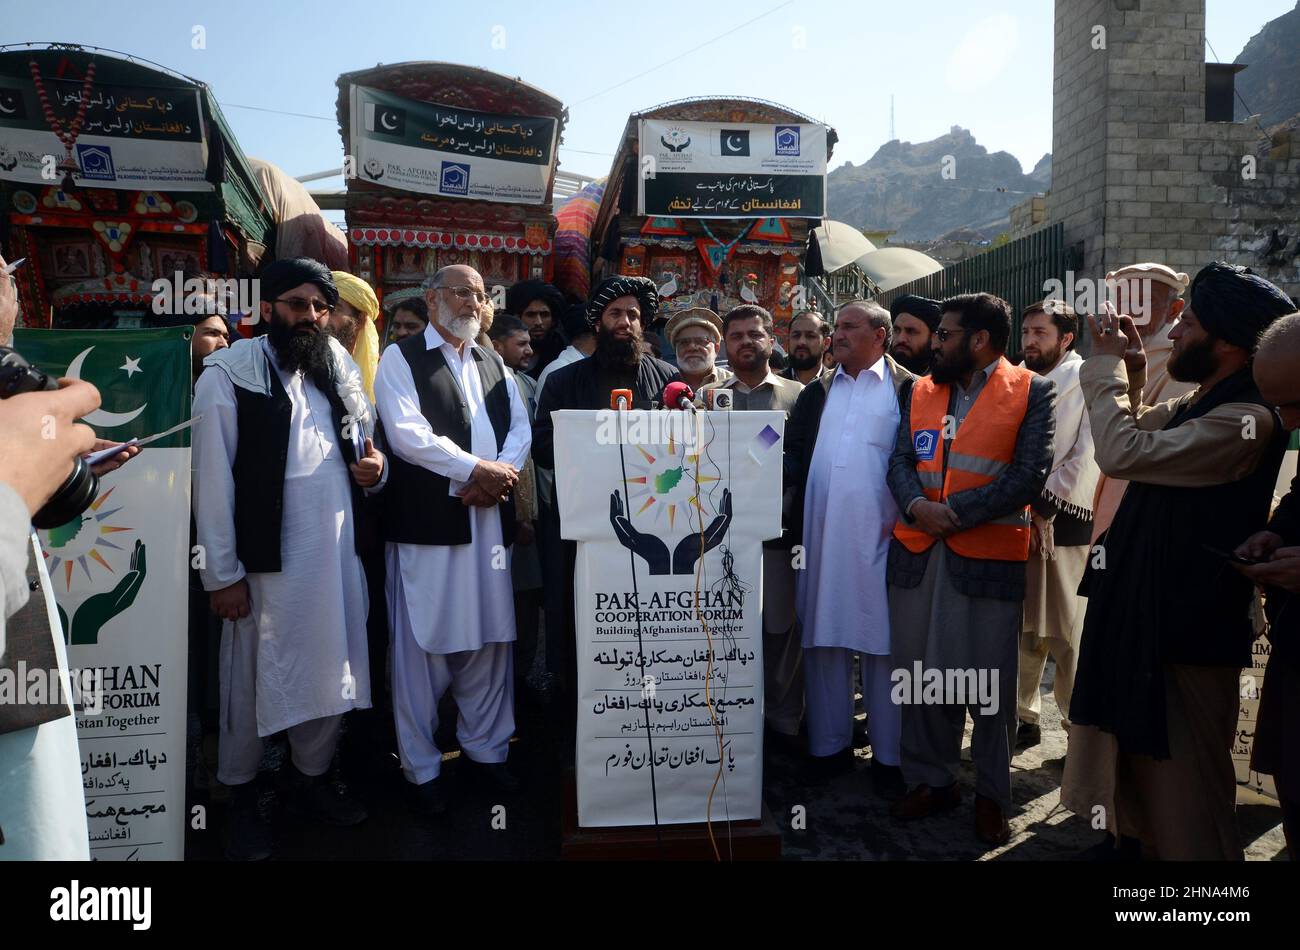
381,532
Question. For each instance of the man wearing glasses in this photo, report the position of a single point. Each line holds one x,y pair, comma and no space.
282,453
459,435
973,451
694,335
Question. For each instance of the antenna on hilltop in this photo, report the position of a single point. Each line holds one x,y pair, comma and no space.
891,117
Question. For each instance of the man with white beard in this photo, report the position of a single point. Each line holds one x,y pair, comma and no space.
694,335
282,420
458,433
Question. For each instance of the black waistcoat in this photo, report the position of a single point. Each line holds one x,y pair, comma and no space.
1206,605
260,460
418,508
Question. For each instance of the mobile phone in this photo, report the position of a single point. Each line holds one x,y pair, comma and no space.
1229,556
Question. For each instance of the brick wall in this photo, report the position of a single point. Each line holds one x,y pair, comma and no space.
1137,172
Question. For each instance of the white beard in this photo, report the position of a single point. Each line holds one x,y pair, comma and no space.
465,329
694,364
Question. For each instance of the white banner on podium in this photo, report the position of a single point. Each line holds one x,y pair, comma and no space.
670,695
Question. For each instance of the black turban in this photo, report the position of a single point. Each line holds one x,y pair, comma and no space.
611,288
284,275
1235,304
520,295
923,308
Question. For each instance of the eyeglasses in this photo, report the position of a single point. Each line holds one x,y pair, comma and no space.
685,342
302,304
467,293
942,334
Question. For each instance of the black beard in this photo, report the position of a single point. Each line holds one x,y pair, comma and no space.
950,372
1194,364
805,362
920,364
347,339
613,352
1041,364
306,352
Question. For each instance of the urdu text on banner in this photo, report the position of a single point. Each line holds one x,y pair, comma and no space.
738,170
132,137
448,151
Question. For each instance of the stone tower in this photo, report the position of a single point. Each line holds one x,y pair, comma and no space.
1137,171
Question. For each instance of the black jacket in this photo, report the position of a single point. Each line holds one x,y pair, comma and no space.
575,387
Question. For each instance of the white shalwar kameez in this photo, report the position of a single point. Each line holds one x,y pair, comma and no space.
849,515
299,660
451,607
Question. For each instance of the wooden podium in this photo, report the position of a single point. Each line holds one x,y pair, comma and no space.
741,841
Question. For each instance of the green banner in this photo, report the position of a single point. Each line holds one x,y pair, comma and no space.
120,576
143,376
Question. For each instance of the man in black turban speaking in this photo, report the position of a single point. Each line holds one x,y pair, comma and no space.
619,310
1168,627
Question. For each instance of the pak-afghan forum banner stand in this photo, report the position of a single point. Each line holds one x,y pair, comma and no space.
669,510
448,151
707,170
120,572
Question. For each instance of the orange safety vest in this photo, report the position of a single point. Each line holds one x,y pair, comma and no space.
984,445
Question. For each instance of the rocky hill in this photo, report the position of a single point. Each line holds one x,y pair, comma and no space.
1270,85
928,189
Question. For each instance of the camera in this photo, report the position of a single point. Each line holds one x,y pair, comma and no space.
82,485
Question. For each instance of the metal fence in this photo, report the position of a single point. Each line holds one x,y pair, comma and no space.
1016,272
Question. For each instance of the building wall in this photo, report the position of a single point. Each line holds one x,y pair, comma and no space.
1137,172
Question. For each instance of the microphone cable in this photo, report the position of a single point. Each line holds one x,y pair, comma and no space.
640,646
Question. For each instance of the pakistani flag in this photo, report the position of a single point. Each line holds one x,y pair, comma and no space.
120,577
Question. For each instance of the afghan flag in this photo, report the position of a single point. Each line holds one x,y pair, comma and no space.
120,572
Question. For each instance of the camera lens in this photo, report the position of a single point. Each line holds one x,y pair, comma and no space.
73,497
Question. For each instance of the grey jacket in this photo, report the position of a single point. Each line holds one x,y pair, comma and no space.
1018,485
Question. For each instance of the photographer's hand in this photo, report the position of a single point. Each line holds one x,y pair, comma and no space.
40,438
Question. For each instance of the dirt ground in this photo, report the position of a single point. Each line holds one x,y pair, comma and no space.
845,820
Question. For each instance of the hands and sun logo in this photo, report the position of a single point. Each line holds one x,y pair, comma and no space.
665,485
661,483
82,540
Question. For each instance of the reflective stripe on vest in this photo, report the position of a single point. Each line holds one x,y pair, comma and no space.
984,445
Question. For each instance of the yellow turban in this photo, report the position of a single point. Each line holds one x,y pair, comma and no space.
359,295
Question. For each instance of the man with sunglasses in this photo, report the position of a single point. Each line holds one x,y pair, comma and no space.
459,434
282,453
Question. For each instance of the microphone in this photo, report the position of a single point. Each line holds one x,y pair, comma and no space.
677,395
620,399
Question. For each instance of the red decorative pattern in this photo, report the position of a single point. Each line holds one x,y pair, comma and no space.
394,237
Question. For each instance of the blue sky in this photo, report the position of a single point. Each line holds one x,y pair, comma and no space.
986,66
